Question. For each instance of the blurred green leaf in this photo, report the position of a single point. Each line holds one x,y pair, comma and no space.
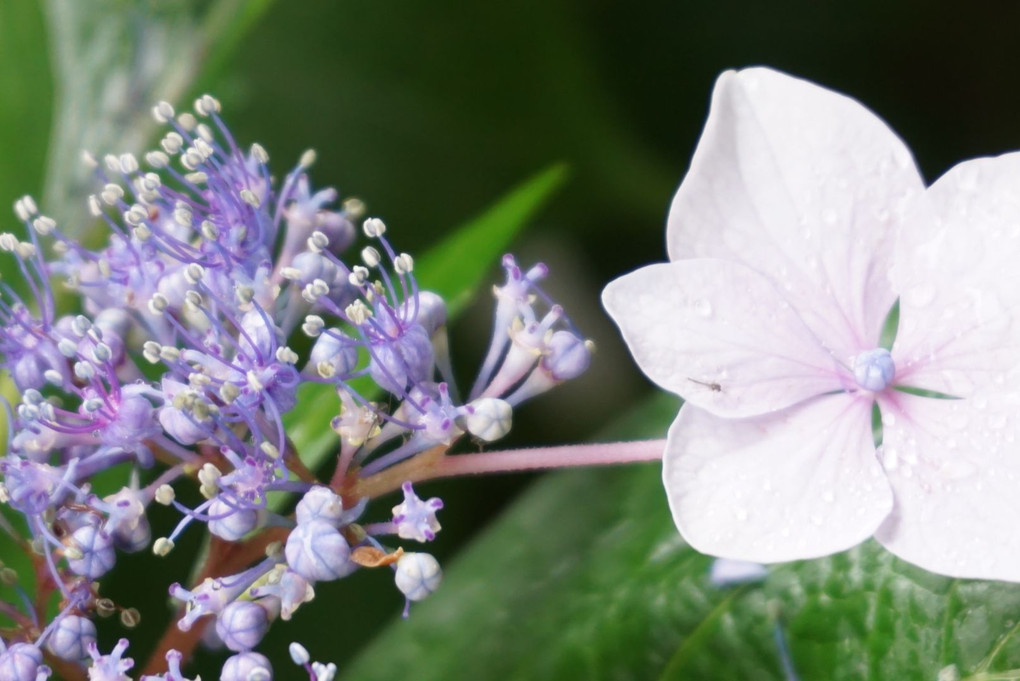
24,100
586,577
112,60
454,268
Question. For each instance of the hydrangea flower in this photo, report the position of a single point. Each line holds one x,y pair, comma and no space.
802,224
179,362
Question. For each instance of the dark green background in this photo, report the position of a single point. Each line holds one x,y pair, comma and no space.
430,110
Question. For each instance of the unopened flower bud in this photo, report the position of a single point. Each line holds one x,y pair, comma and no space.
318,552
418,575
242,625
489,418
70,639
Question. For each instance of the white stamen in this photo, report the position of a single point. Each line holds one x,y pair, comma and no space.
112,194
158,303
187,121
354,208
172,143
163,112
374,228
286,355
67,348
162,546
44,225
194,273
259,153
206,105
249,197
150,351
128,163
403,263
313,325
358,312
157,159
318,241
165,495
299,654
370,256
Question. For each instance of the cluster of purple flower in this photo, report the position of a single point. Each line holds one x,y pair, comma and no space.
179,364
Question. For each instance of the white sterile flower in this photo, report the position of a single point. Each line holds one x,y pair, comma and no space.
801,222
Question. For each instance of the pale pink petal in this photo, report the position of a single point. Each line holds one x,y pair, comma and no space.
959,281
720,335
800,483
954,467
806,186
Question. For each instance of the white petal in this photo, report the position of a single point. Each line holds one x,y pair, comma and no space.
954,466
798,484
720,335
960,281
806,186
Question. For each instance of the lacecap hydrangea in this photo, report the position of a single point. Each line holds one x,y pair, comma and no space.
217,296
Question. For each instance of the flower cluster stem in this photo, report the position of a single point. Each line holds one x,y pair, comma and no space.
435,463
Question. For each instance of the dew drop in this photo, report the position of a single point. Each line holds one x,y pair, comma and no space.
703,307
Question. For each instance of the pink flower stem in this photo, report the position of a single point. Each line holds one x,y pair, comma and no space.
539,458
435,463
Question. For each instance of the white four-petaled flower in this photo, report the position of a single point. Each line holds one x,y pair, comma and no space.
800,223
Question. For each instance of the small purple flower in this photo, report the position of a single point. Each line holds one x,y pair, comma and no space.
289,587
416,519
111,667
127,522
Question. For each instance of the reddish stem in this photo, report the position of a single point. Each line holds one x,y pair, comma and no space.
434,463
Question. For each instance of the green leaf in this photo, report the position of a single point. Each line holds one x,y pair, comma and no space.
586,577
112,60
24,101
454,268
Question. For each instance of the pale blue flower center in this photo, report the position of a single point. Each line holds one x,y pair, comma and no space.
874,370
